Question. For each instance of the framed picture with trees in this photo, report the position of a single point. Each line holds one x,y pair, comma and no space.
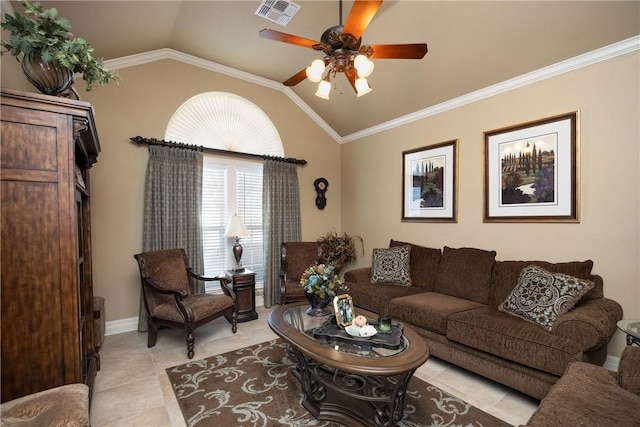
430,183
531,171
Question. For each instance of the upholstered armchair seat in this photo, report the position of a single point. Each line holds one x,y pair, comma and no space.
170,298
201,306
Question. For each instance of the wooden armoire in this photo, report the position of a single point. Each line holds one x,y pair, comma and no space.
47,146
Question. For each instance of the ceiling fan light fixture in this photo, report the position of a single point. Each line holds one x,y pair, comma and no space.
362,86
324,88
363,65
315,70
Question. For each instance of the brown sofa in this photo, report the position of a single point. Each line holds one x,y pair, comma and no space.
453,303
591,396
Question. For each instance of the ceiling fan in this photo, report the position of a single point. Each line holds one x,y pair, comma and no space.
344,51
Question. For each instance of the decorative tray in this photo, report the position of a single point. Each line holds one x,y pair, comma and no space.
330,331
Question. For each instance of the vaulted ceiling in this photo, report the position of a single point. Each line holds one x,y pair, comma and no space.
472,45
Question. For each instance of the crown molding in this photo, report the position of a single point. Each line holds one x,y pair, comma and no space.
572,64
603,54
166,53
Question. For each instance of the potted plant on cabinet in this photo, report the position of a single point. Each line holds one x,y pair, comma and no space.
49,53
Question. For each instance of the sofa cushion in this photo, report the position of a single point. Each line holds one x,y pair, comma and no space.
541,296
465,273
376,297
587,395
391,265
511,338
429,310
424,264
506,273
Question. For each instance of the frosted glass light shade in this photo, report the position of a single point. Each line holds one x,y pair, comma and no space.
363,65
315,70
324,88
362,86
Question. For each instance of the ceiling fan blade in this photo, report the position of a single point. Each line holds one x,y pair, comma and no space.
286,38
399,51
352,75
296,78
361,14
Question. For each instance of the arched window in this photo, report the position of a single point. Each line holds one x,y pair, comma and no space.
229,122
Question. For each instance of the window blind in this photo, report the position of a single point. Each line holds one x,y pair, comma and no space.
230,187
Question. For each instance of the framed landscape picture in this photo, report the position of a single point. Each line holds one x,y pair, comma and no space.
531,171
429,183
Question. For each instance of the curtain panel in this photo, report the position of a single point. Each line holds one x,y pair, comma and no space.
172,208
281,210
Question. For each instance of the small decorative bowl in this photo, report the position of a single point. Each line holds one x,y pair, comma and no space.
365,331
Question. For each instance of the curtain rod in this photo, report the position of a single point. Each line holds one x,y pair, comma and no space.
153,141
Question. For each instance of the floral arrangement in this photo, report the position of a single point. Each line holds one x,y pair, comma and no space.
322,280
338,250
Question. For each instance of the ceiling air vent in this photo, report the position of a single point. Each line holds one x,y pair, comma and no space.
278,11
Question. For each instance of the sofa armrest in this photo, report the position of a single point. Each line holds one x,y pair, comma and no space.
358,275
628,372
591,323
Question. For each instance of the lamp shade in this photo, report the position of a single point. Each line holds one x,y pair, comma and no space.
236,228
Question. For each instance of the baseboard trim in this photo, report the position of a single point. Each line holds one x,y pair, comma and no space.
120,326
612,363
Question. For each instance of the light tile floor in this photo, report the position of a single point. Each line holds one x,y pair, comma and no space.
132,388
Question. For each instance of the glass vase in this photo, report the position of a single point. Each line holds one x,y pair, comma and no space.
319,306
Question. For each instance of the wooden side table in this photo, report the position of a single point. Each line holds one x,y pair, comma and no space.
244,286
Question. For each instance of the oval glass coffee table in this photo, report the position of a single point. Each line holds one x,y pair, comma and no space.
632,329
353,382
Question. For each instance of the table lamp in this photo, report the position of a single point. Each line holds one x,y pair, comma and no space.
236,229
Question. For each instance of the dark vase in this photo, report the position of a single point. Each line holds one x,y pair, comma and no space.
49,78
319,306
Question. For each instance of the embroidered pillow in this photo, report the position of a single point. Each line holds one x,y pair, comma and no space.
391,265
541,296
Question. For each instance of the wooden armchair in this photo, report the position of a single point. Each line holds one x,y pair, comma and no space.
296,257
170,300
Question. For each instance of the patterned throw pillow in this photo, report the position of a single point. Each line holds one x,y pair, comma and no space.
391,265
541,296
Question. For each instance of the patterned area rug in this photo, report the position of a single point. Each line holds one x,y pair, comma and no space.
254,387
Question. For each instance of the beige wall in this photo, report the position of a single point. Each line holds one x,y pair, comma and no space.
142,104
606,94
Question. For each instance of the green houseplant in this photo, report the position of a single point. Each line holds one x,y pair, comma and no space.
42,42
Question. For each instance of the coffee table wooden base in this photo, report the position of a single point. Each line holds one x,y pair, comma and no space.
351,399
